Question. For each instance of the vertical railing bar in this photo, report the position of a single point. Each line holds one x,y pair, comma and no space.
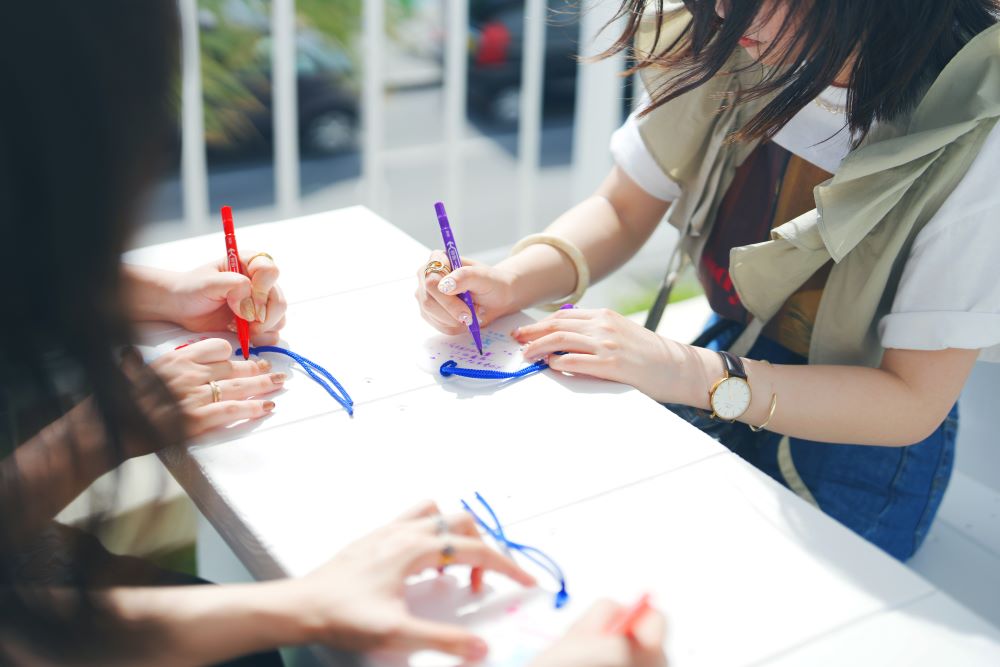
598,99
455,84
530,125
194,160
285,104
372,115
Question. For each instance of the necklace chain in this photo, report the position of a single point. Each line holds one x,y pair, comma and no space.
830,108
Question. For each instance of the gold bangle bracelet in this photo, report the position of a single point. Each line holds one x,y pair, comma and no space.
770,414
570,251
774,404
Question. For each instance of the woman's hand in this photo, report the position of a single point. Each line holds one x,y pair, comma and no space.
188,371
356,601
606,345
207,298
440,305
588,644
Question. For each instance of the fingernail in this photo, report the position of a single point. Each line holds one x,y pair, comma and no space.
477,649
247,309
466,319
264,365
268,406
447,285
262,313
277,378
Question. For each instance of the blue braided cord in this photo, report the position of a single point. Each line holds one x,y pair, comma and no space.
311,368
536,556
452,368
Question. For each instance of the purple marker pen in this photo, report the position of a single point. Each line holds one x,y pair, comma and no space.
456,262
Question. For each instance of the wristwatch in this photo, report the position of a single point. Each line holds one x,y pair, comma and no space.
730,396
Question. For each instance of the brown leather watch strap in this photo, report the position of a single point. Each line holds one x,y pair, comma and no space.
733,364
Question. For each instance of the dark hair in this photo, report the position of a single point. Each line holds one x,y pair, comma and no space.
899,46
84,129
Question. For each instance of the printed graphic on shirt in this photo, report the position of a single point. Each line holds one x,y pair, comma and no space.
771,187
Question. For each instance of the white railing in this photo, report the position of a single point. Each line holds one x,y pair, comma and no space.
597,111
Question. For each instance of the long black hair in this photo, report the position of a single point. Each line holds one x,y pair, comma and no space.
84,128
898,47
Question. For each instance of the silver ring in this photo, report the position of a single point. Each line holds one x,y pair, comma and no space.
216,392
440,525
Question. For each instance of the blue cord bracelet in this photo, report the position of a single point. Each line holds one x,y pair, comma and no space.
449,368
312,368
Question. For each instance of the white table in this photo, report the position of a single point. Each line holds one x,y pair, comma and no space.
624,494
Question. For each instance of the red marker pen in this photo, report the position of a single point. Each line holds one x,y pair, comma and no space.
233,258
624,623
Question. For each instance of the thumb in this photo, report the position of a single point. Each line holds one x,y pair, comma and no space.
651,631
416,634
475,279
235,287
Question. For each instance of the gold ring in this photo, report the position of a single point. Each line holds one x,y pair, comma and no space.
216,392
435,266
447,556
260,254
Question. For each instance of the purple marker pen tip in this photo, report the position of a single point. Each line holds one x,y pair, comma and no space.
456,262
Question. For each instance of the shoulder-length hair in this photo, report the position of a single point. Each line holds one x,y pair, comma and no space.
898,48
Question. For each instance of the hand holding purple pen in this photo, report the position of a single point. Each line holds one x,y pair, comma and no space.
456,262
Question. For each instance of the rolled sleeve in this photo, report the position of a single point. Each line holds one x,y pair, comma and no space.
629,152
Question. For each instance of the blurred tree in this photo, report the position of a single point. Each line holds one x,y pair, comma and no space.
229,66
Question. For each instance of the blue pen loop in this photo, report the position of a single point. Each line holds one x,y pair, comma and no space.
536,556
450,368
312,369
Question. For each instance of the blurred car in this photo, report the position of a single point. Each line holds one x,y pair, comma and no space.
496,55
328,102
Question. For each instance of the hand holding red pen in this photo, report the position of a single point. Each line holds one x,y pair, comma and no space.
588,643
209,297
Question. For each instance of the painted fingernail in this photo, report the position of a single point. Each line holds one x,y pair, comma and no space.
477,649
264,365
466,319
262,313
247,309
447,285
268,406
277,378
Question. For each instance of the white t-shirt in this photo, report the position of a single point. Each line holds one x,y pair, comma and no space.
949,293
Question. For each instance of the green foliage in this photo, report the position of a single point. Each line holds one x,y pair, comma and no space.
338,19
687,287
229,67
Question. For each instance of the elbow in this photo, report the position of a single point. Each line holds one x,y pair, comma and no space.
915,427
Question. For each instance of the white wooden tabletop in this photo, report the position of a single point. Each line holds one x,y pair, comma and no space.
623,494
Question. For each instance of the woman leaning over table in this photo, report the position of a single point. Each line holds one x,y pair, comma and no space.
832,168
83,127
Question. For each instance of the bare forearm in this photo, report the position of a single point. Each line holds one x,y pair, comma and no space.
197,625
147,292
182,626
844,404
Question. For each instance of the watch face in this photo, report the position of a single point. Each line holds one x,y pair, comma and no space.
731,398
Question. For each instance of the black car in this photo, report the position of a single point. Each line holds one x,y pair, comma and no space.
496,54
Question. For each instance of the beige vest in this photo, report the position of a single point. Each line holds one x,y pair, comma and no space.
866,216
